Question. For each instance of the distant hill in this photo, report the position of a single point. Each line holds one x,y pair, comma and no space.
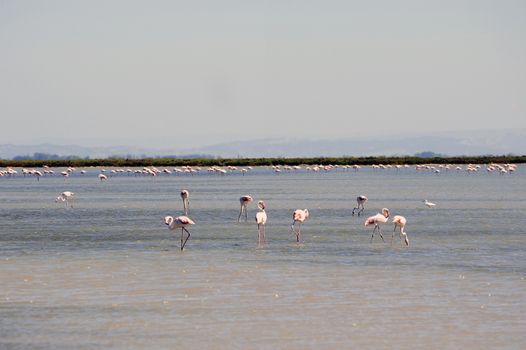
451,144
498,142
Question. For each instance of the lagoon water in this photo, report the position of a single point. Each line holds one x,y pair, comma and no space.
109,274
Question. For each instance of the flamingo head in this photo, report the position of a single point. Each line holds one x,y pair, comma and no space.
261,205
168,220
306,213
59,198
245,199
385,211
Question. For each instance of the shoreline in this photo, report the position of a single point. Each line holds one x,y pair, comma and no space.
125,162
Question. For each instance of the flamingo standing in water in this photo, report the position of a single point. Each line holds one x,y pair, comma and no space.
377,220
261,220
361,201
243,201
186,202
400,221
102,177
65,197
179,222
300,216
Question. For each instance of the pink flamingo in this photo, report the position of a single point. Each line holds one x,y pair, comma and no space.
261,220
299,216
102,177
400,221
186,202
65,197
377,220
243,201
38,174
361,201
179,222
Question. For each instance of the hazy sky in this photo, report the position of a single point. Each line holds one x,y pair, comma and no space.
189,73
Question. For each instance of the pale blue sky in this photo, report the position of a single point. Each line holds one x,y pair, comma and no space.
191,73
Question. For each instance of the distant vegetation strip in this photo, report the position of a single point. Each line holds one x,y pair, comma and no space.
175,162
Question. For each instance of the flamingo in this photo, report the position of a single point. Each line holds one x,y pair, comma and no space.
102,177
377,220
429,204
243,201
400,221
179,222
38,174
65,197
186,202
261,220
300,216
361,201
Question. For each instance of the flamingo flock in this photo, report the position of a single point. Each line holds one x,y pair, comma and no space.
437,169
299,216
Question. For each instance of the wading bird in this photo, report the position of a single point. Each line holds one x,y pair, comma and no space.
65,197
186,202
377,220
361,201
300,216
429,204
261,219
179,222
400,221
243,201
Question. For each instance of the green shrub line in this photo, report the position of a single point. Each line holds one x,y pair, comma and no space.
206,162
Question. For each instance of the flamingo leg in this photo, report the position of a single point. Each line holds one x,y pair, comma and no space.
372,236
380,232
259,235
404,235
182,238
360,211
183,244
353,209
246,215
240,212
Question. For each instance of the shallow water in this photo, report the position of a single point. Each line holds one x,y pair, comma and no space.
109,274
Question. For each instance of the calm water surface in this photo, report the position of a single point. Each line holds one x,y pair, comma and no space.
109,274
